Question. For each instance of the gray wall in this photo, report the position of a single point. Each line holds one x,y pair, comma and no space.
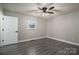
25,33
65,27
0,21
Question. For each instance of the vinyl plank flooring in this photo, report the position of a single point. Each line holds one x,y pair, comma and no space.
44,46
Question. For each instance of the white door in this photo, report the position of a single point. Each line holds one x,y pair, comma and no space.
9,30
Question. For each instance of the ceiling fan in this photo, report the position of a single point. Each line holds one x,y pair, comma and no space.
48,8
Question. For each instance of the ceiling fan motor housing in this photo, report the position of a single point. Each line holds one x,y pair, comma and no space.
44,9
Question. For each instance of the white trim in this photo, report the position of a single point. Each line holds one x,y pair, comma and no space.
31,39
73,43
27,40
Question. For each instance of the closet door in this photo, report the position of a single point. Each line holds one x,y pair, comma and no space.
9,30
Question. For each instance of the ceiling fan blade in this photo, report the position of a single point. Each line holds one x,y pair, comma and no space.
51,8
39,8
32,10
51,12
57,10
37,12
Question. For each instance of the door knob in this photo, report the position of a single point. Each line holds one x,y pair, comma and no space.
16,31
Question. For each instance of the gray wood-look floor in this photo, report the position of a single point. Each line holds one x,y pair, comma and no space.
43,46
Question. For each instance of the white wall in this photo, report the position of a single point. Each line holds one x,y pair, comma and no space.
65,27
25,33
0,21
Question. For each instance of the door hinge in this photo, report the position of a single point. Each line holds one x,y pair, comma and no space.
2,40
2,29
2,18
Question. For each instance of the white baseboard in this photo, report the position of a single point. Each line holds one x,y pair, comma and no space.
73,43
50,38
27,40
31,39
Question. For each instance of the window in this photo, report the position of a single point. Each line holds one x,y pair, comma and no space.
31,23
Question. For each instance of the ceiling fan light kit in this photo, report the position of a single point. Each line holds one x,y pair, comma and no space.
44,14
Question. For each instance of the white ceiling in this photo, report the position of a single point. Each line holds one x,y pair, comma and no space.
25,7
